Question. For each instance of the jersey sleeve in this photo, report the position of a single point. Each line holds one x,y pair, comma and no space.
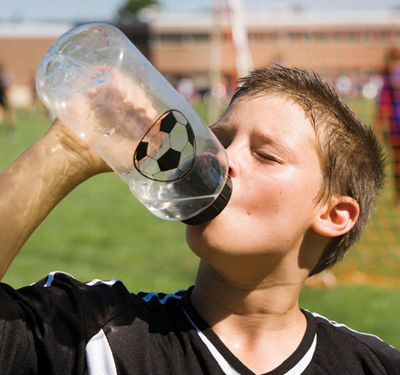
349,349
387,356
44,328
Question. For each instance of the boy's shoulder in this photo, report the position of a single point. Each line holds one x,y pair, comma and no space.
345,348
87,323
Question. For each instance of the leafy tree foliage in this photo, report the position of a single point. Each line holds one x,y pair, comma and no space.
134,6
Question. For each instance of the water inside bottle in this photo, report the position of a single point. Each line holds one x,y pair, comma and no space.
185,197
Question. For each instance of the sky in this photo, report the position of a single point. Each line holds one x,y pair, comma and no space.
104,10
101,10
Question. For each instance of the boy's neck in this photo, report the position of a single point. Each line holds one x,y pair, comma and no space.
261,324
264,298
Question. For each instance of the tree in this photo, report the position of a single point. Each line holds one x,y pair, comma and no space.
135,6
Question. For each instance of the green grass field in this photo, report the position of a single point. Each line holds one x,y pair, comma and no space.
101,231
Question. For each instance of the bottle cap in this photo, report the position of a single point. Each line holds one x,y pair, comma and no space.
215,208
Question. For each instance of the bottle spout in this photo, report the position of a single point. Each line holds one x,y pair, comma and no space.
215,208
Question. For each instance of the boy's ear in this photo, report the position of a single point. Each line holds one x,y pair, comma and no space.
337,217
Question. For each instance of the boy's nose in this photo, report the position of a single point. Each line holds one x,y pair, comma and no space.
233,162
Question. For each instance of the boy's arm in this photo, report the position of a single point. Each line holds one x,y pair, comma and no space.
37,181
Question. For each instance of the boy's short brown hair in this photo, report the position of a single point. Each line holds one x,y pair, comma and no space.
351,158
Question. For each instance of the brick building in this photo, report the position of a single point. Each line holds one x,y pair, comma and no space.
22,46
334,44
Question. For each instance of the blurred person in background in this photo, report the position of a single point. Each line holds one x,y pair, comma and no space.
7,117
387,119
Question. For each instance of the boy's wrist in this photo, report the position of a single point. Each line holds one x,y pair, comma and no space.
68,159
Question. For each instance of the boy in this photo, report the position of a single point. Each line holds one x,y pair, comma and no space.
305,172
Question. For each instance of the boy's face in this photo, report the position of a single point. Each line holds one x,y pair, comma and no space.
276,176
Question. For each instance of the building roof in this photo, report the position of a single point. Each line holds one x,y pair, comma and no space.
33,29
175,22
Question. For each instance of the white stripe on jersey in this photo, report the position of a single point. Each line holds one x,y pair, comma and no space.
99,357
305,361
223,363
96,281
338,325
50,277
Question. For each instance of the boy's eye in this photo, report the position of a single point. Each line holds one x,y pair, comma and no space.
267,157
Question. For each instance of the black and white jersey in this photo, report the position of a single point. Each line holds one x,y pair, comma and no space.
62,326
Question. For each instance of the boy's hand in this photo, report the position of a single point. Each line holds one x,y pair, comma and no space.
84,159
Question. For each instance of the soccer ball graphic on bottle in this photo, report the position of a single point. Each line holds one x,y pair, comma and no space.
167,151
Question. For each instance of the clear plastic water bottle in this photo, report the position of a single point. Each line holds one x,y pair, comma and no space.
100,85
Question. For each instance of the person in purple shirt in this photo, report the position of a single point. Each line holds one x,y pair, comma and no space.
388,113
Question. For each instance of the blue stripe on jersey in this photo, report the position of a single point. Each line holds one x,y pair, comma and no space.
50,277
163,300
